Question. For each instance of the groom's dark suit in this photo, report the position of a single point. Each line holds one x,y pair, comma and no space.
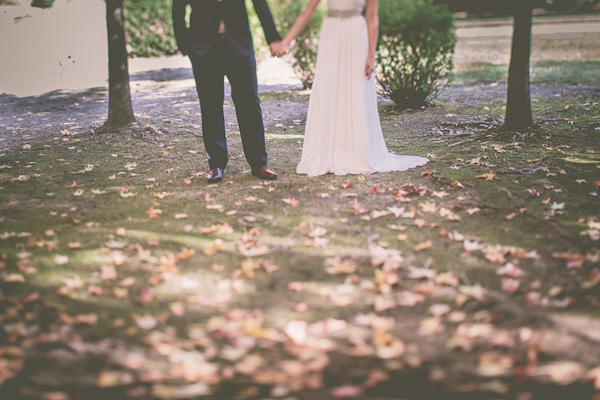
230,53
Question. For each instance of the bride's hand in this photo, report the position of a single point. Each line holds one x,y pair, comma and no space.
369,67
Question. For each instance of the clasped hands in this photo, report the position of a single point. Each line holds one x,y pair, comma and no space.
278,48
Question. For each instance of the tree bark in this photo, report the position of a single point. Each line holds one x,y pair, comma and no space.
518,101
120,108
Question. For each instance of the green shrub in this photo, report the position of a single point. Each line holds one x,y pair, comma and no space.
415,51
148,24
304,51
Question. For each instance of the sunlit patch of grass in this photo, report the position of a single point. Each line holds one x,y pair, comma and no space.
552,72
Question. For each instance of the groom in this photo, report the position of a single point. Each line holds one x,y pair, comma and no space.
219,43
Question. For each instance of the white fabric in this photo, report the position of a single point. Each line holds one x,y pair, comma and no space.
343,133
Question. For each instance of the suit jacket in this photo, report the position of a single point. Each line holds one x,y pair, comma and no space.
205,18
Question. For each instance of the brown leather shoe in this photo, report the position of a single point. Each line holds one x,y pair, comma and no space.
264,173
215,175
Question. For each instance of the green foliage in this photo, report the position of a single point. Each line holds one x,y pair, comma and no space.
415,51
304,51
550,72
507,7
41,3
148,24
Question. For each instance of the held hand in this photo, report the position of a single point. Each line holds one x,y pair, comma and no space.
369,67
278,49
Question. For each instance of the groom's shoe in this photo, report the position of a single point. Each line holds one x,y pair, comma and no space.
263,172
215,175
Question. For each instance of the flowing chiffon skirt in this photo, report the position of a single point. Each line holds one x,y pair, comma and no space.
343,133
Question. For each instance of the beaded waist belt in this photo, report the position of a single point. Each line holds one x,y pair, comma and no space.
343,13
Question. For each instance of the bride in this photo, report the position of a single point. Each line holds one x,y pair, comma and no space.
343,133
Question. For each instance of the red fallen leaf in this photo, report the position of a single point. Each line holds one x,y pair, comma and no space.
346,391
372,191
596,184
347,185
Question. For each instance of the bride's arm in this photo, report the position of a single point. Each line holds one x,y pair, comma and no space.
301,22
373,32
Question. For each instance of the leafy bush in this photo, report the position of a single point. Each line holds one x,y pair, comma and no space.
415,51
148,24
304,51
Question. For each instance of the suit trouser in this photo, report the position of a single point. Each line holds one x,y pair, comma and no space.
210,70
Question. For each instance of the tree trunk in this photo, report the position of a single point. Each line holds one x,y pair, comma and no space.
120,108
518,101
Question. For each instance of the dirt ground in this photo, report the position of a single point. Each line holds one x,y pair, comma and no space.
124,275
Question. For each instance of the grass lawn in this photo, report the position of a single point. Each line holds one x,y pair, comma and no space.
124,274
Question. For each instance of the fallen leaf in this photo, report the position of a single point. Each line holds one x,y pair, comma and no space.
296,330
348,391
422,246
291,201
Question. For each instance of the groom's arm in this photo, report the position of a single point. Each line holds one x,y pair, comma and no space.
179,27
266,20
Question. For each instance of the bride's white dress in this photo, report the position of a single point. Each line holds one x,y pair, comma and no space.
343,133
